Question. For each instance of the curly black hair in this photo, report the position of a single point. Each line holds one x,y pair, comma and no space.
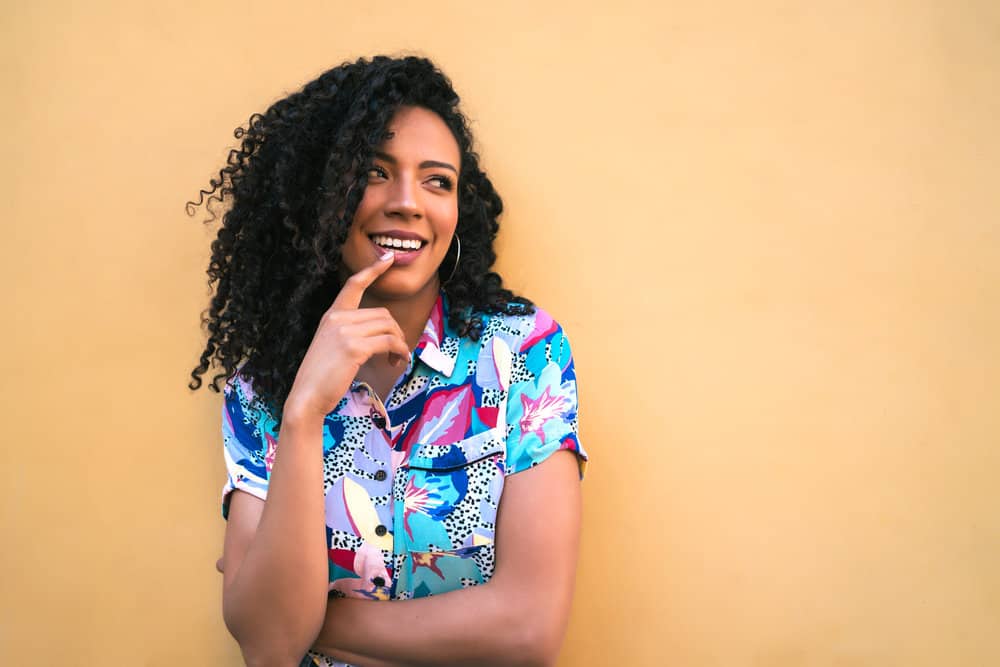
291,191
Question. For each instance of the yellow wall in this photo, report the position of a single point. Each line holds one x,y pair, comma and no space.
771,229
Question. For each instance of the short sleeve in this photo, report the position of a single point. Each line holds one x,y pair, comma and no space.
248,442
542,400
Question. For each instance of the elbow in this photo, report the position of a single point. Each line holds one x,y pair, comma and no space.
536,641
257,659
258,653
534,624
265,643
535,653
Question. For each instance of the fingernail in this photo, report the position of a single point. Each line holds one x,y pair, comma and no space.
388,254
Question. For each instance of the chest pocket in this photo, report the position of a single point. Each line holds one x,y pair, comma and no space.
457,488
452,493
449,512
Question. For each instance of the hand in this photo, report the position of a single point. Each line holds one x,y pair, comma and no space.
346,338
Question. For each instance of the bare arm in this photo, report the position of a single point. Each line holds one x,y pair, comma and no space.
518,618
259,648
274,557
275,572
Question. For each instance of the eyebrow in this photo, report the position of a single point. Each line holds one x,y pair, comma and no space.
426,164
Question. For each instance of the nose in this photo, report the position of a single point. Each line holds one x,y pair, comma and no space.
404,201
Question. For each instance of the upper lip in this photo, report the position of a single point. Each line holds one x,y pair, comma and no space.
399,234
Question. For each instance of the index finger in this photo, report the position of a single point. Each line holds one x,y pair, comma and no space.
354,288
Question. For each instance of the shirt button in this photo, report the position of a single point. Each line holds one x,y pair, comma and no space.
380,476
381,530
378,581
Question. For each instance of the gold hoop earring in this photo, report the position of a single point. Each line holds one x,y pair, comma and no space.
458,256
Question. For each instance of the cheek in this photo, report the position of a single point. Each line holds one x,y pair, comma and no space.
352,253
365,209
447,219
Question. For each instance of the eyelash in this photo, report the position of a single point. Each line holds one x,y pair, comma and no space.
444,182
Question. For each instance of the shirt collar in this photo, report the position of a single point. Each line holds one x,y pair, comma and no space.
429,346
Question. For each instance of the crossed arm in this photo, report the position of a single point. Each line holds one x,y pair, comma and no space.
517,618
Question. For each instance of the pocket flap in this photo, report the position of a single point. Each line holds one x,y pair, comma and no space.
458,454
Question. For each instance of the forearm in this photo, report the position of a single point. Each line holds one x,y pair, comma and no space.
484,625
274,602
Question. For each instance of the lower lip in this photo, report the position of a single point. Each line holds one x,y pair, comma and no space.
403,257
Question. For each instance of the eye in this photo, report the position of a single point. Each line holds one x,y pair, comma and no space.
376,172
442,182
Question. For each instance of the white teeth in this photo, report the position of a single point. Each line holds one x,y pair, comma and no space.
390,242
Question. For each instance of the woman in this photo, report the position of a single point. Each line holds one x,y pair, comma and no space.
394,417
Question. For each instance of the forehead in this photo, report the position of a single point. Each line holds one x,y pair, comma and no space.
421,134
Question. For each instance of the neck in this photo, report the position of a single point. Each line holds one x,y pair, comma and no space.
410,312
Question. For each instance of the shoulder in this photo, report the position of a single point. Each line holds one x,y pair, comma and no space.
244,410
526,332
542,393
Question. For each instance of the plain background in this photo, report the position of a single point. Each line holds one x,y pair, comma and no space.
770,229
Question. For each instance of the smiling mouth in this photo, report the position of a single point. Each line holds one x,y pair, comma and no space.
397,244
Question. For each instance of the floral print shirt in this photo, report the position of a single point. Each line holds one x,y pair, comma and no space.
412,485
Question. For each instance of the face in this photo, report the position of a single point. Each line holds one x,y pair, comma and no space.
410,206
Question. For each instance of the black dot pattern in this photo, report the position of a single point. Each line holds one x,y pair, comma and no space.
477,479
467,516
485,559
403,393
